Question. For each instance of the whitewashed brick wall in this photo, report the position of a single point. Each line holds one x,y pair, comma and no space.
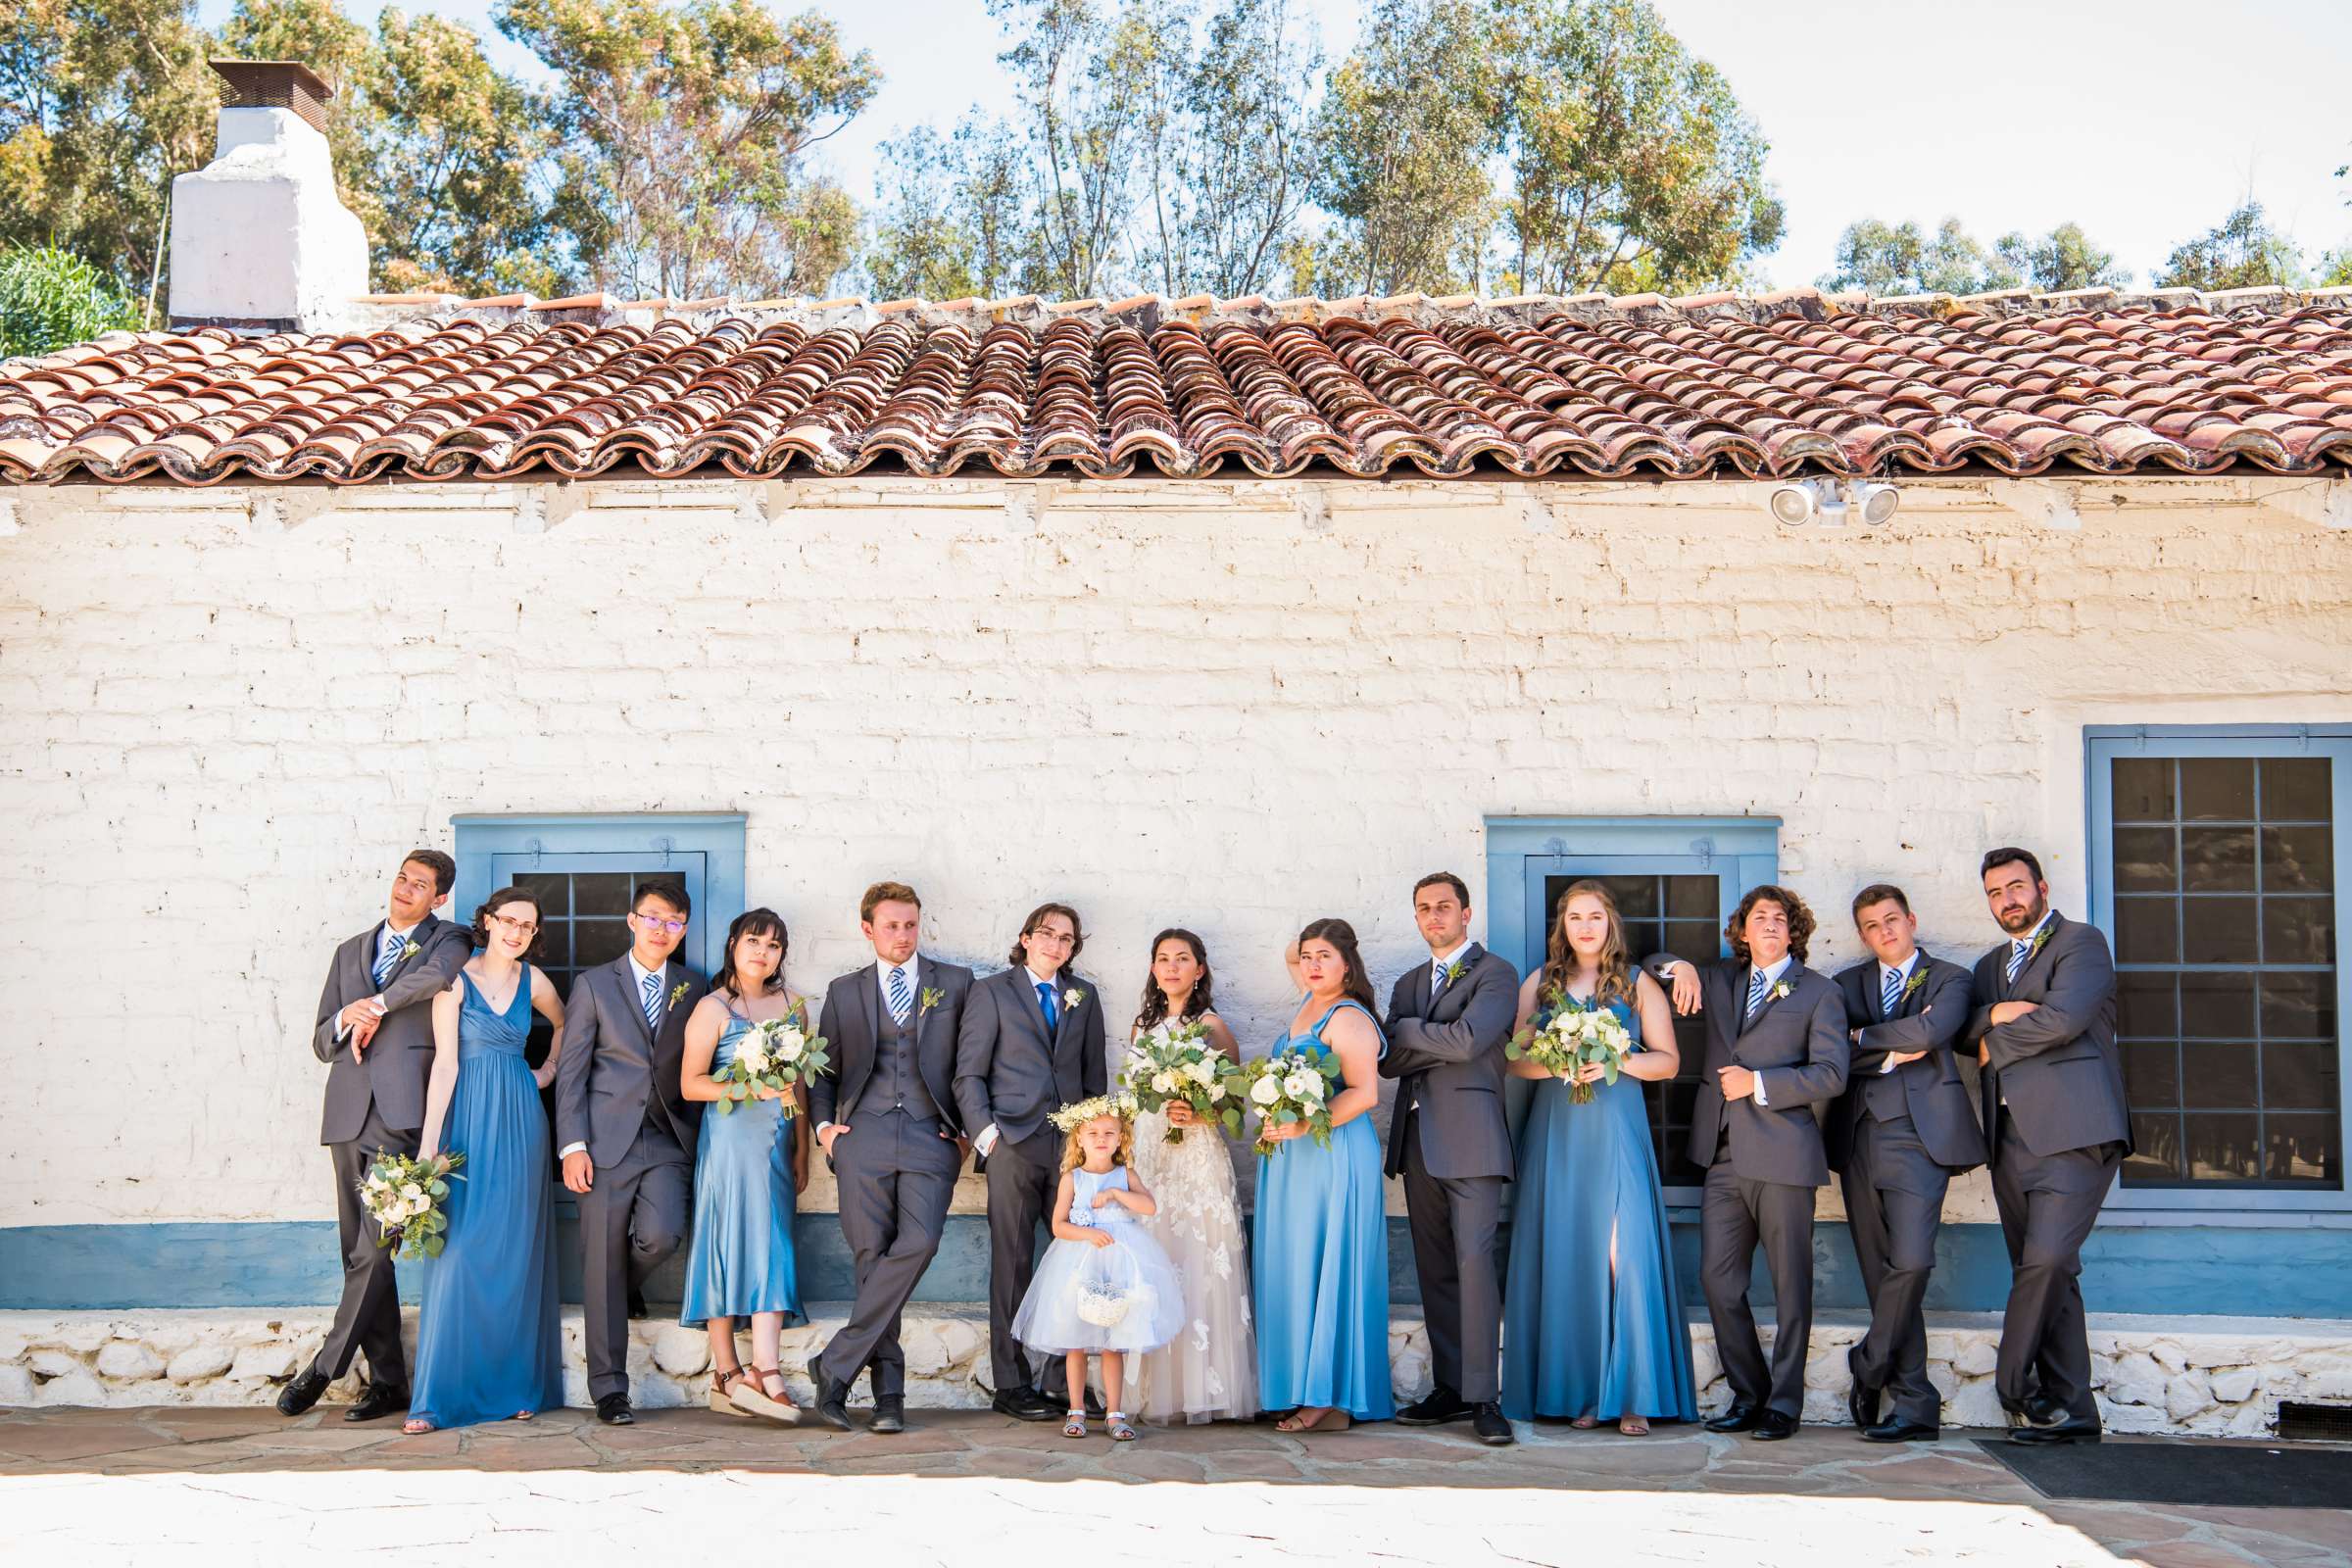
225,715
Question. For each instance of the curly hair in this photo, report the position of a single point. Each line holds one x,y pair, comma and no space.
1154,1009
1073,1153
1616,983
1800,920
497,901
1355,985
1037,917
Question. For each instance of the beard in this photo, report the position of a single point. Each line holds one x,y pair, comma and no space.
2025,920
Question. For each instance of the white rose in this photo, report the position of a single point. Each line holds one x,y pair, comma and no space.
1163,1083
791,1049
1301,1084
1265,1090
411,1192
1202,1071
1216,1091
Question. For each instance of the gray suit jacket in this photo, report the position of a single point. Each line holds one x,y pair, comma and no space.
853,1005
396,1063
613,1073
2057,1064
1797,1049
1932,1019
1450,1060
1008,1071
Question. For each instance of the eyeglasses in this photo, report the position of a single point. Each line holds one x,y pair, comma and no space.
515,924
653,923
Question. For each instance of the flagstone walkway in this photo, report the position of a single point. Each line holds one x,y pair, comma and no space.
95,1487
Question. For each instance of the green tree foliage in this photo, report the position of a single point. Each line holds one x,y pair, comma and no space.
684,139
49,298
2242,250
953,224
1885,259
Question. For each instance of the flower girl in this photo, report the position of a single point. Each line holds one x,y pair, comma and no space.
1104,1286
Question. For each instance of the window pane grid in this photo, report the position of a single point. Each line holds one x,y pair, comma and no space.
2224,942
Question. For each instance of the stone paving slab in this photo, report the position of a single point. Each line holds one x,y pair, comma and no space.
87,1487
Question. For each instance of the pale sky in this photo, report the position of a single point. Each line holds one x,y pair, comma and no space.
2144,121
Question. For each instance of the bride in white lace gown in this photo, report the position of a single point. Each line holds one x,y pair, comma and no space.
1209,1371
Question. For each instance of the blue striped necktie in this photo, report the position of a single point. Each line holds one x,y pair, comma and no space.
2017,957
901,1004
1755,991
1890,996
387,956
652,1001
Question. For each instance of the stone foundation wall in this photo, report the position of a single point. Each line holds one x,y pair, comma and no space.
2214,1377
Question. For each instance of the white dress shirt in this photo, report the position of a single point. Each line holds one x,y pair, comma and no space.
1771,976
638,974
399,935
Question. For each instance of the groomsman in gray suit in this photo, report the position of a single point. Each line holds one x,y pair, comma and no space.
1449,1021
885,1116
375,1034
1031,1041
1898,1136
2053,1100
625,1131
1777,1054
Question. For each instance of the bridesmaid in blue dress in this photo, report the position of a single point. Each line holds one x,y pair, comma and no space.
749,1164
1593,1323
1320,1254
487,1344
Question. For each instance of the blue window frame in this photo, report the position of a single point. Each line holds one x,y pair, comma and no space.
1675,881
2219,868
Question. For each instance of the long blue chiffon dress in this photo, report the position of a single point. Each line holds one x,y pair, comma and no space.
1320,1259
1579,1336
742,1258
488,1345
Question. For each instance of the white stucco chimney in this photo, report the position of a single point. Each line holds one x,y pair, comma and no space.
258,239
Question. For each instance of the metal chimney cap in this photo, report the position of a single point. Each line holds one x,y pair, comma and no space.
287,84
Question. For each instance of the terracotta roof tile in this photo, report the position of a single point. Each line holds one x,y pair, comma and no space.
1709,384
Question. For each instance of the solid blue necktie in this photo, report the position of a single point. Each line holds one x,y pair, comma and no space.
1045,1003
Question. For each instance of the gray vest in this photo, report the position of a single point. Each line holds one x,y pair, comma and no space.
897,1083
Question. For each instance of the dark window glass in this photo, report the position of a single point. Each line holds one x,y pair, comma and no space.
2225,951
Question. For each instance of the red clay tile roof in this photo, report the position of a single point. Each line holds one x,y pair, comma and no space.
1635,387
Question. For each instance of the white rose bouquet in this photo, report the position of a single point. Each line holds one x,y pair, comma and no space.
1173,1061
775,1055
1575,1036
1292,1086
405,1194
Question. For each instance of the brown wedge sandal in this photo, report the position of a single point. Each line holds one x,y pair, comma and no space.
763,1394
717,1398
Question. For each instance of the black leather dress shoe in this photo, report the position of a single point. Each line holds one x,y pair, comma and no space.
1025,1404
1861,1400
2063,1432
1441,1406
1902,1432
1738,1418
2034,1410
890,1414
832,1399
637,1309
381,1399
303,1393
613,1410
1772,1427
1488,1421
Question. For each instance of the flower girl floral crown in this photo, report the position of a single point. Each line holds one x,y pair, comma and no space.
1069,1119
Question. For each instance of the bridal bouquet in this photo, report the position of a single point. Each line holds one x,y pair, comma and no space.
1575,1036
775,1055
403,1196
1291,1086
1174,1061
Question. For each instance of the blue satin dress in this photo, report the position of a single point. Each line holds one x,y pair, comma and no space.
1576,1337
742,1261
487,1341
1320,1260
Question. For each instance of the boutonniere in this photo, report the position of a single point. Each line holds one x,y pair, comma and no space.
931,998
408,951
1779,993
1919,979
1072,997
1456,970
675,991
2039,936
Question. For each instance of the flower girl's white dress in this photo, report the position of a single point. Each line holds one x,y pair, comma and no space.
1132,1283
